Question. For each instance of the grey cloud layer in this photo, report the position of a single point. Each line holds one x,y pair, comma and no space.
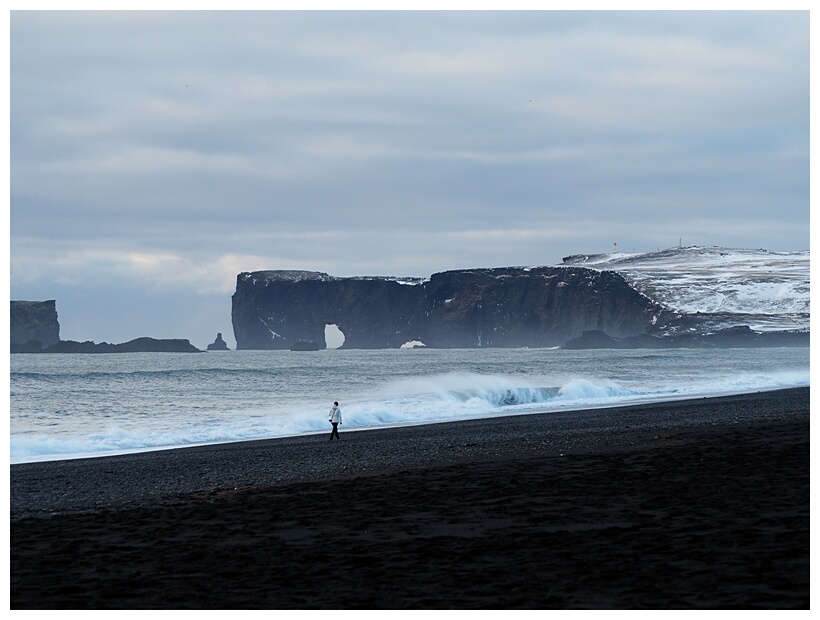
415,141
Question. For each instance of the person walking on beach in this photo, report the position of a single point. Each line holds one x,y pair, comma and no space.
334,416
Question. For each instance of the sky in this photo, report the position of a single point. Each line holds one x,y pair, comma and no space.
155,155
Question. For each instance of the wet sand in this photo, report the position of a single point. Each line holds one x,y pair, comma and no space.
688,504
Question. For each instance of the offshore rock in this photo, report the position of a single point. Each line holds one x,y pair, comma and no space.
502,307
33,323
218,344
733,337
305,345
138,345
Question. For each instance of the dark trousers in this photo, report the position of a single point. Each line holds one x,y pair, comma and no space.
335,431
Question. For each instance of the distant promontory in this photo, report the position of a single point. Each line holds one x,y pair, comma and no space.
34,324
682,297
36,329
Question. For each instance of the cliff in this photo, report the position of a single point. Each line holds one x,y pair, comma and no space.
503,307
35,329
34,323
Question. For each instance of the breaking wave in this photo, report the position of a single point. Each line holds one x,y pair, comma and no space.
81,414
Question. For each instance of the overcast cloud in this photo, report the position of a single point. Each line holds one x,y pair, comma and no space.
155,155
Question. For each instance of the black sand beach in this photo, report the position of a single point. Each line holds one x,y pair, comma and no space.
688,504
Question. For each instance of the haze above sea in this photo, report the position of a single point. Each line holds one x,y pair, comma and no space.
72,405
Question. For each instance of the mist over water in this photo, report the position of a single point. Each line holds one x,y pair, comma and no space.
68,406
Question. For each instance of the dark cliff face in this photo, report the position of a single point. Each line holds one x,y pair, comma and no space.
505,307
34,321
35,329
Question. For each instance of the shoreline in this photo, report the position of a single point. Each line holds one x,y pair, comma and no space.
401,425
681,504
41,485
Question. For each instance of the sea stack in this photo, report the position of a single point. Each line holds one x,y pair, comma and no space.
218,344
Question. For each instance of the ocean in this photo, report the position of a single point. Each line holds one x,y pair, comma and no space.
65,406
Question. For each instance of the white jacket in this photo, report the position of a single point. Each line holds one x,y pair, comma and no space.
335,414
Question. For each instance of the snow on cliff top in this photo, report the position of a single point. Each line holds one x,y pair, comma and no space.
773,286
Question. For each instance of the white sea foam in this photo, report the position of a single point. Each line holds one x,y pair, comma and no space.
87,410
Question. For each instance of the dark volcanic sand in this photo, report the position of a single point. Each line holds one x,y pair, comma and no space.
689,504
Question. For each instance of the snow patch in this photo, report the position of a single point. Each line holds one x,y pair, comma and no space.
774,287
